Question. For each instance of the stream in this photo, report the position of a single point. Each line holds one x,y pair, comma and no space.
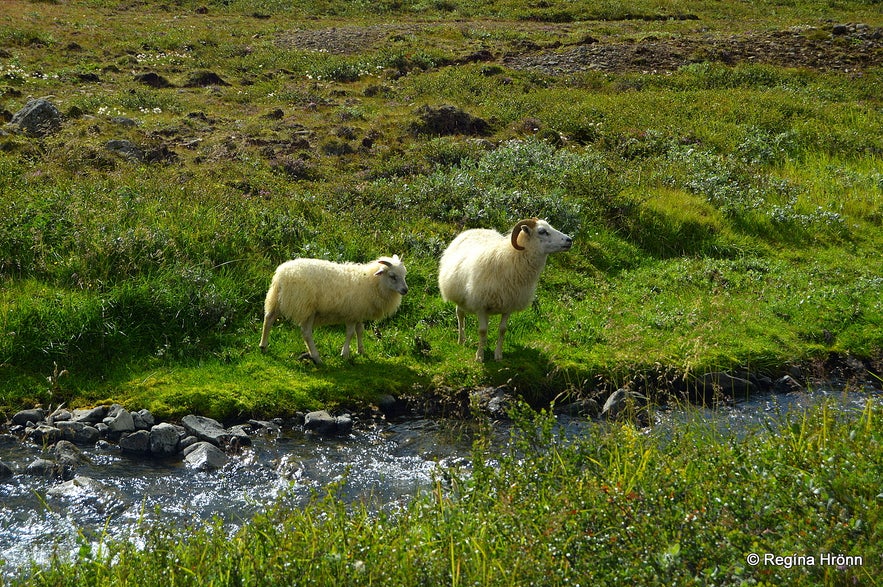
382,466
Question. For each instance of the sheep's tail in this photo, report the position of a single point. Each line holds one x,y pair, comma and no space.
271,304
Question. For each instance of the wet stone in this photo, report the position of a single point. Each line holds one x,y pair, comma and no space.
163,439
44,434
206,429
5,471
205,456
25,417
120,422
135,442
78,432
143,420
90,415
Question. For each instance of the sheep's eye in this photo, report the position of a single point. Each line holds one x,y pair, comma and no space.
543,231
393,277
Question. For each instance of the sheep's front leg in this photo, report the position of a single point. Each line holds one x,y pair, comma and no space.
461,325
482,335
498,353
269,319
306,329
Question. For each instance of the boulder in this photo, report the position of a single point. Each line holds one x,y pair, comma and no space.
163,439
125,149
625,404
143,420
321,422
5,471
206,429
44,434
137,442
25,417
90,415
39,118
204,456
78,432
119,421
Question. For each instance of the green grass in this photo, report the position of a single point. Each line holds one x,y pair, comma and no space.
686,505
725,217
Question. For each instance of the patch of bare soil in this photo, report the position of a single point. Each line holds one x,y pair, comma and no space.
840,48
836,47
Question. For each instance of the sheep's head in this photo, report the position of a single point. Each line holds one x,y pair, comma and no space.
392,272
539,235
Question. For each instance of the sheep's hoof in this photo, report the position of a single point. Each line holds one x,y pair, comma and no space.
263,350
307,356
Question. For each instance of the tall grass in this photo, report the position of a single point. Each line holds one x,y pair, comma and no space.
720,214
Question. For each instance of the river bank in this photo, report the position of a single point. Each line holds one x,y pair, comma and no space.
110,497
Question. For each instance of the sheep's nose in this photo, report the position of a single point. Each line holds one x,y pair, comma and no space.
404,290
568,242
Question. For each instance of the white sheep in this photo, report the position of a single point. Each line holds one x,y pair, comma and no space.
485,272
313,292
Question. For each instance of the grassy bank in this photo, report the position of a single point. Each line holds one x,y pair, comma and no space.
725,216
686,506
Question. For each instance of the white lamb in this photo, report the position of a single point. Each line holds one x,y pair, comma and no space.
485,272
313,292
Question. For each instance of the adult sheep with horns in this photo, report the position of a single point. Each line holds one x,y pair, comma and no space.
484,272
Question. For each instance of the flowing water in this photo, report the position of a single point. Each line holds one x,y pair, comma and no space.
383,467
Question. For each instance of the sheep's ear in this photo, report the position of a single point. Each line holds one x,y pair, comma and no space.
379,272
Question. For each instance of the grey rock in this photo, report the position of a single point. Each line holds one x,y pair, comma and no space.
25,417
391,406
60,415
125,149
206,429
187,442
119,421
39,118
46,468
143,420
493,401
78,432
584,407
90,415
625,404
205,456
344,424
44,434
786,384
67,454
163,439
135,442
321,422
5,471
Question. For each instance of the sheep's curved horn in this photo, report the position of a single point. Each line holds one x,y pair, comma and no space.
384,262
516,230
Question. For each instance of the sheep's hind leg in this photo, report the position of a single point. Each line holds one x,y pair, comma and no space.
360,329
482,336
269,319
498,353
351,329
306,329
461,325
